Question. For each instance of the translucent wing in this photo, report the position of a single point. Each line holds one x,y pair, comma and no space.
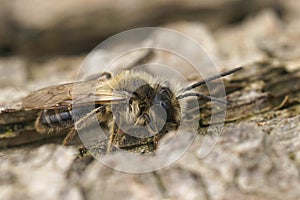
76,94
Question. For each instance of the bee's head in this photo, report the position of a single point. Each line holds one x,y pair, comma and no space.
154,106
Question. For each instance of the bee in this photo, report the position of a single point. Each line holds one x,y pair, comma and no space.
138,108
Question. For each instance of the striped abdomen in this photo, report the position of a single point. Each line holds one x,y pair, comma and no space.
53,116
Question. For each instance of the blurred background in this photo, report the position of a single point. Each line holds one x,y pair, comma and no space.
44,43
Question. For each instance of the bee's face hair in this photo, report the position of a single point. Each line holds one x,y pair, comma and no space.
147,94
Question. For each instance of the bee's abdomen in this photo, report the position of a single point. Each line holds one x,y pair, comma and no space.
65,116
54,117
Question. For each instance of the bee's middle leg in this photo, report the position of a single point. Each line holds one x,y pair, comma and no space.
70,136
113,131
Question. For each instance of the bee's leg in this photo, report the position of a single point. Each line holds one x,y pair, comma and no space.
155,141
70,136
103,75
113,131
79,124
152,143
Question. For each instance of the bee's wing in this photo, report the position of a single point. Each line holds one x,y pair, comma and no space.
76,94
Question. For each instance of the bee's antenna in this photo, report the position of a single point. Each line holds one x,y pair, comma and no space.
202,96
214,77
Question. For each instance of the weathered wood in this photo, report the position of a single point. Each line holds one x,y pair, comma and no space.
257,155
